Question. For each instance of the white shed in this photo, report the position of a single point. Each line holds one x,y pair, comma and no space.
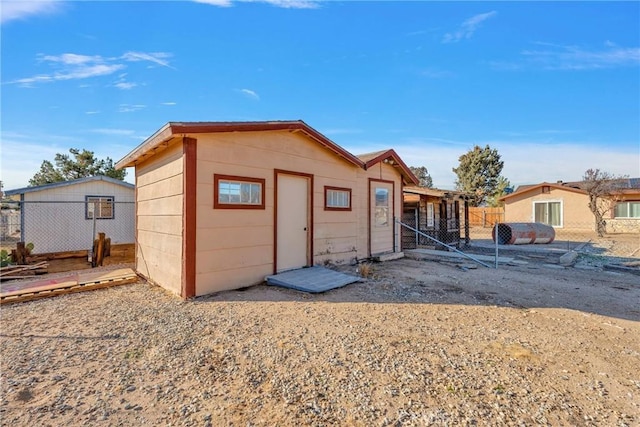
66,216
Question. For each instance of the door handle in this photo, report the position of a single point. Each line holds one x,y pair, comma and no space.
305,229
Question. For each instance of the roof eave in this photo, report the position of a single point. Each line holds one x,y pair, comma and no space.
164,134
398,163
175,129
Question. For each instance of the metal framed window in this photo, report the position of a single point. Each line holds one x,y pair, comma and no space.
337,199
627,210
548,212
237,192
102,207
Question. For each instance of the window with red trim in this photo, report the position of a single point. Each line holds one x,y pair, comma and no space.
337,199
238,192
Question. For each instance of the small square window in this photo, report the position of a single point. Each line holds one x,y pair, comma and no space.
337,199
99,206
235,192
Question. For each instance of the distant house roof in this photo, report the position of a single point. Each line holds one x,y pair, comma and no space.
434,192
622,183
68,183
392,158
175,129
625,186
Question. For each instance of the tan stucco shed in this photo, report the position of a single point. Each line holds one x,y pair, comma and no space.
221,205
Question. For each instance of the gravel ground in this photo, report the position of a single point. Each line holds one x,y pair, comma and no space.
417,343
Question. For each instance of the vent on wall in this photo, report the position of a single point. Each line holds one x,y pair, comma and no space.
546,189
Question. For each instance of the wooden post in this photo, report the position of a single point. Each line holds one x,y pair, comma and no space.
107,247
100,250
21,254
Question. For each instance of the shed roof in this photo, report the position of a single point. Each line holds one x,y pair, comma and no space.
434,192
392,158
68,183
175,129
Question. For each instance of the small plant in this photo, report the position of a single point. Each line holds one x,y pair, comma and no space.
29,247
5,259
365,269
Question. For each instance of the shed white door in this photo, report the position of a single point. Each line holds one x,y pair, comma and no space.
292,239
381,203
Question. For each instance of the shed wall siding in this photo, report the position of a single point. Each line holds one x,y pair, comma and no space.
235,247
159,183
56,227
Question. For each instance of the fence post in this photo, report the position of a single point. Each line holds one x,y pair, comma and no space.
417,219
93,233
466,223
497,239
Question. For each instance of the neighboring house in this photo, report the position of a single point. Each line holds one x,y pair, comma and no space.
565,205
221,205
60,216
440,214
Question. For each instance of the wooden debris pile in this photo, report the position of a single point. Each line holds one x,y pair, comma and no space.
11,272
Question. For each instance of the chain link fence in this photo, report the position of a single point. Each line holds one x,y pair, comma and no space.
539,241
59,226
502,243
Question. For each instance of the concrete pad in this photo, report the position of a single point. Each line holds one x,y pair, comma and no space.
438,255
312,279
388,257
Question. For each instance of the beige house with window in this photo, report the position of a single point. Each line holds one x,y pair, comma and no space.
564,205
221,205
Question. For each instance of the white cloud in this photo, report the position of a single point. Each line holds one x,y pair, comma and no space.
250,94
468,27
287,4
219,3
294,4
13,10
130,108
114,132
125,85
159,58
92,112
72,66
82,71
71,58
561,57
169,103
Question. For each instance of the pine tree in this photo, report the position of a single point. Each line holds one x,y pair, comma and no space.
67,168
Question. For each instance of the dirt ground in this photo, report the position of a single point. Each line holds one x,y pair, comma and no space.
416,343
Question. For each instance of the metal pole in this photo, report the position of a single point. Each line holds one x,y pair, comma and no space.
497,238
443,244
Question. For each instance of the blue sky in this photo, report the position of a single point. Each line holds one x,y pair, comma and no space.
554,87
